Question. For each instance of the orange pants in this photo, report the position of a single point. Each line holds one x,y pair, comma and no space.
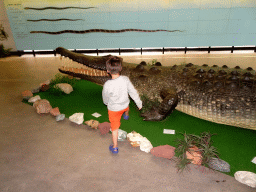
115,118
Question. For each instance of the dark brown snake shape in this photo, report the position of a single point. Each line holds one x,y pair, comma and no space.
57,8
104,31
54,20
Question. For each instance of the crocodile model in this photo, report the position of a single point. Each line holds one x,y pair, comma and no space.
218,94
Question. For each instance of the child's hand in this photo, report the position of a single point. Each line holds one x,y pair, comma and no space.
139,108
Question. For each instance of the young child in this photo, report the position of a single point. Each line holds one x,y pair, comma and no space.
115,95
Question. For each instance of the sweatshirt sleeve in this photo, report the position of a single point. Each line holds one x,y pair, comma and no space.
134,94
105,95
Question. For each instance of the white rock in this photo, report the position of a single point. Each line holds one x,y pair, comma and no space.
77,118
134,136
34,99
246,177
65,87
145,145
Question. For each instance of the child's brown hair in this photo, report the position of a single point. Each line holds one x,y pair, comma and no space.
114,65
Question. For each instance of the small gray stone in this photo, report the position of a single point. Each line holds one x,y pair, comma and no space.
60,117
36,90
219,165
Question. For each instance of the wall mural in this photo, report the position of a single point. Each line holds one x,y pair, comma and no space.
92,24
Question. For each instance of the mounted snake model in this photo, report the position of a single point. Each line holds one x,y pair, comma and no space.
218,94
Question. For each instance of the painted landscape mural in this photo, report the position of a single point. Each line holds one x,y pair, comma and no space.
92,24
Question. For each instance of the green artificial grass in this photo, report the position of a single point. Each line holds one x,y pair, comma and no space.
237,146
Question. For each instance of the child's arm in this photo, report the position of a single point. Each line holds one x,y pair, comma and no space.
104,95
134,94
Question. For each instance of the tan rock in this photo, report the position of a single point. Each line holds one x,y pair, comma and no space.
65,87
42,106
92,123
55,111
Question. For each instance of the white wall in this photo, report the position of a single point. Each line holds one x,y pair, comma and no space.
9,43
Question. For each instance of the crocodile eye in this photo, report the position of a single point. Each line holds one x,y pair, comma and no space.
225,66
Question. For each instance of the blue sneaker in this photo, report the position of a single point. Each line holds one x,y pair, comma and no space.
125,116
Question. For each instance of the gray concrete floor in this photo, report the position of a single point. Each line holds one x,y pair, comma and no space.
39,154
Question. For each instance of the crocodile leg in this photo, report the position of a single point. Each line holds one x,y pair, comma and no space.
170,101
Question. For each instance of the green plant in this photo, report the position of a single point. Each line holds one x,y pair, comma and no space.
202,142
4,52
153,62
60,79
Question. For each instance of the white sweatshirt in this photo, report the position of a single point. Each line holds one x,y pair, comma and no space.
115,94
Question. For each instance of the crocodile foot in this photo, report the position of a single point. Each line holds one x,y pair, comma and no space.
152,115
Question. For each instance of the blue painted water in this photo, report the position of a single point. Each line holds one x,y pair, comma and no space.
201,27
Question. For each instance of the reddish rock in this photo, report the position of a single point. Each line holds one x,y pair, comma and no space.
42,106
55,111
104,128
27,93
165,151
195,155
45,87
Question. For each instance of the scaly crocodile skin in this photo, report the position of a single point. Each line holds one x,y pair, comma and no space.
218,94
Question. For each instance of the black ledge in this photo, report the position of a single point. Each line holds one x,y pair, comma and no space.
142,50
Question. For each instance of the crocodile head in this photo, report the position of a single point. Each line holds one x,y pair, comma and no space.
94,68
